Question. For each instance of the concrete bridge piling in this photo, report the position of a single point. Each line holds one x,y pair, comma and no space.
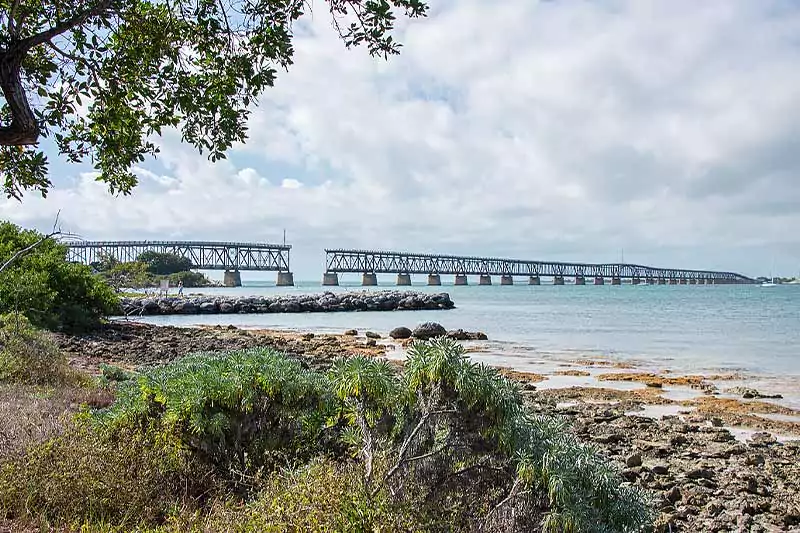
369,279
330,279
599,280
534,280
404,280
485,280
232,278
461,279
580,280
434,279
285,279
506,280
558,280
616,280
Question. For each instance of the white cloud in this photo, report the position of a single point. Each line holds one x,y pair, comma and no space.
530,129
290,183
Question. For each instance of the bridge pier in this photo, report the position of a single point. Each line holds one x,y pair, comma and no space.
558,280
534,280
599,280
434,279
662,281
369,279
330,279
636,281
506,280
232,278
701,281
285,279
651,281
682,281
485,279
692,281
403,280
461,279
580,280
616,280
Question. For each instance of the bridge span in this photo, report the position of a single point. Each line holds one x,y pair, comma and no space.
232,257
369,263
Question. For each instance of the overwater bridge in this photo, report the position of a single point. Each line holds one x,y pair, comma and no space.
232,257
369,263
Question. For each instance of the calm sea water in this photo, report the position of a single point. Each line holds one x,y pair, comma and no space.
738,328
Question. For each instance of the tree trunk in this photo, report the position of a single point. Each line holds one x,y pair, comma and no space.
23,129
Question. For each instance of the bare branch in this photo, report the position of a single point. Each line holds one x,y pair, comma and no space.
27,250
58,29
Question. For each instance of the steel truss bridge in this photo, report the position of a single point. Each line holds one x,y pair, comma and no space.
205,255
371,262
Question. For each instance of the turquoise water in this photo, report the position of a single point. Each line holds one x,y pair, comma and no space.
736,328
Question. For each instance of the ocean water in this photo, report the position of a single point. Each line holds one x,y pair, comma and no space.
745,329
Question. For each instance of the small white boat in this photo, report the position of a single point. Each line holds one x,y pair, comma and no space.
770,283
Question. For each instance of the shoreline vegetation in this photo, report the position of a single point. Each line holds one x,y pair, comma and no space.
702,472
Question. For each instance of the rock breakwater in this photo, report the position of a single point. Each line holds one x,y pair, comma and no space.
306,303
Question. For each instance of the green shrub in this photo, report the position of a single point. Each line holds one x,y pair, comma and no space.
164,263
189,279
47,289
238,411
28,355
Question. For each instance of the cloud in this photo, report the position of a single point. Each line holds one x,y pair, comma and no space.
530,129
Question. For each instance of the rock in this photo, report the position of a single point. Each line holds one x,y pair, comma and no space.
659,469
748,393
351,332
700,473
371,342
429,330
633,460
304,303
372,335
761,438
673,495
461,335
400,333
307,336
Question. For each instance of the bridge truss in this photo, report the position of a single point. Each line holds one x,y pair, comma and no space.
205,255
370,261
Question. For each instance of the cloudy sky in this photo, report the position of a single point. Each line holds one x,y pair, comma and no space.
559,129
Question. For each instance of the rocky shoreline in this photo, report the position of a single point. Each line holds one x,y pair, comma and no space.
307,303
701,477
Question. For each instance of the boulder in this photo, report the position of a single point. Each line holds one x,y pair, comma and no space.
461,335
372,335
351,332
400,333
429,330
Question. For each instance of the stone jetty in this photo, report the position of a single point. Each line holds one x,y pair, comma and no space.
305,303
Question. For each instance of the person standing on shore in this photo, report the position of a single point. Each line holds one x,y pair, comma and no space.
180,288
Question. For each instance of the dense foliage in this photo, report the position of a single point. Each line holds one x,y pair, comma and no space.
101,77
164,263
148,271
47,289
447,437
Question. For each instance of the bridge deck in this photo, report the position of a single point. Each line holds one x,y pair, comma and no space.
207,255
371,261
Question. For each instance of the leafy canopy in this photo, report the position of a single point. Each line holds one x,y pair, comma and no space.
102,77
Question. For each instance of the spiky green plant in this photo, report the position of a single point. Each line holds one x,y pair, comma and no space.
234,409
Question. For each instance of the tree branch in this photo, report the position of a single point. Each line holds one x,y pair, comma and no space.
64,26
27,250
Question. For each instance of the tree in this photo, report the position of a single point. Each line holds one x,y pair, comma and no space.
43,286
164,263
101,77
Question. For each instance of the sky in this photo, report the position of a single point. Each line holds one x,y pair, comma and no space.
553,130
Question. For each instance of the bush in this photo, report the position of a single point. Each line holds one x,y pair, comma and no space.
164,263
28,355
189,279
84,476
47,289
238,412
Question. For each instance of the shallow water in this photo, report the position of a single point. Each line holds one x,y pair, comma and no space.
687,329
